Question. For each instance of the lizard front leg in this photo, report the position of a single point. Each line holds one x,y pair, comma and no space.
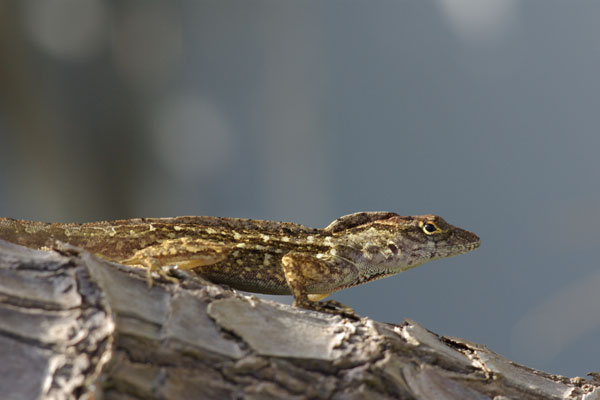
185,252
311,278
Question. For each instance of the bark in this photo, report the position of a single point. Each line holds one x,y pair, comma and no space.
75,326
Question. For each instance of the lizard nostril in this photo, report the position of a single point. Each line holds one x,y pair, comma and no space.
393,248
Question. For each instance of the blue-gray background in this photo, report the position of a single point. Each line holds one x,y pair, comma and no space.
484,112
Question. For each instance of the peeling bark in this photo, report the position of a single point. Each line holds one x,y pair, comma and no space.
75,326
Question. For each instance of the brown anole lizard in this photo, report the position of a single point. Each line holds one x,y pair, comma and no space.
262,256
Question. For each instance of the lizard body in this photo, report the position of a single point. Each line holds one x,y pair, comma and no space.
262,256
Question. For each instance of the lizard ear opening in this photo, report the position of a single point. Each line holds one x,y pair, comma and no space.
357,219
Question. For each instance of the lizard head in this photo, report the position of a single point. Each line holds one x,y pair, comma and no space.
428,237
396,243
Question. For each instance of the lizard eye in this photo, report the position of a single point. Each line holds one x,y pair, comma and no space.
430,228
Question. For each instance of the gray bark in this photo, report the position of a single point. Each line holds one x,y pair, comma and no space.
75,326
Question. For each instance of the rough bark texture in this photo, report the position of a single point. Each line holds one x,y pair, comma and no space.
74,326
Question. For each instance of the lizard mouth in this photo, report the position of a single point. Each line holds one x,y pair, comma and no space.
450,249
465,240
473,246
458,250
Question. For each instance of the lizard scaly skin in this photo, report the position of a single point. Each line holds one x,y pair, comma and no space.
263,256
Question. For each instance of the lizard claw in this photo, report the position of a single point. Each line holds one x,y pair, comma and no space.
335,307
328,307
162,272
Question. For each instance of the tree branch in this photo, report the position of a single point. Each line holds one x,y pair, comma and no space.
75,326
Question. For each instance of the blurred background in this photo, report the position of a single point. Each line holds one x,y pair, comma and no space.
486,112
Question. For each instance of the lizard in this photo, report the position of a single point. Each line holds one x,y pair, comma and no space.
262,256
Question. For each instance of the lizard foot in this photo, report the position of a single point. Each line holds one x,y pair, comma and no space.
335,307
163,272
328,307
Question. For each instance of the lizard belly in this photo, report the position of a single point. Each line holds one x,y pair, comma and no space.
249,284
251,277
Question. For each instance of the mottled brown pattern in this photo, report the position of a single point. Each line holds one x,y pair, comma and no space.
263,256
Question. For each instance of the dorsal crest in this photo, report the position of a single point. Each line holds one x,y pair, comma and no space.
357,219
